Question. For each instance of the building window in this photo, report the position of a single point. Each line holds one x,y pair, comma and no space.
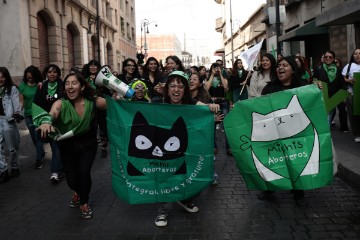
122,22
128,31
133,33
116,17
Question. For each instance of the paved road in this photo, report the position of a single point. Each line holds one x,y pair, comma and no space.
32,208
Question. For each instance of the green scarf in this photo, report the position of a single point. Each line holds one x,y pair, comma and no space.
69,122
2,91
240,72
330,70
52,86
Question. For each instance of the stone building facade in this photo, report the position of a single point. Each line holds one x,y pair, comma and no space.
65,32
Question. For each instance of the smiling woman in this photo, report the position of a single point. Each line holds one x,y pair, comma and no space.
74,116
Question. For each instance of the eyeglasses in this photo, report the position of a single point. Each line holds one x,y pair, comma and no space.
329,57
173,86
139,88
130,65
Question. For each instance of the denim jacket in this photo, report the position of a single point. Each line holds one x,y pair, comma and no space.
11,104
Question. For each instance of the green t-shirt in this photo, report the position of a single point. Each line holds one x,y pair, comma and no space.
28,92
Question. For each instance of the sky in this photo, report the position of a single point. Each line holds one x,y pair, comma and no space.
193,18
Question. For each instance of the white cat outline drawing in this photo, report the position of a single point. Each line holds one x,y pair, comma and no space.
282,124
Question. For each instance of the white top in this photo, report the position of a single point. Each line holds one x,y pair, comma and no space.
257,83
353,68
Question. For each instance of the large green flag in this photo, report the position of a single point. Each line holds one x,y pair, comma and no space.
160,152
282,140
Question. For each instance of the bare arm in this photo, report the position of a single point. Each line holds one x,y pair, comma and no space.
47,128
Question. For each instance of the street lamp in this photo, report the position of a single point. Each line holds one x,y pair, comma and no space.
145,26
91,21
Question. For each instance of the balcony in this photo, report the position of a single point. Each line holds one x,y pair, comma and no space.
219,24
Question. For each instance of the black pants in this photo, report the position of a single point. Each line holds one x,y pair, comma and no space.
77,166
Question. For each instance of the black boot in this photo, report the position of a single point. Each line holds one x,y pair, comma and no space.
4,177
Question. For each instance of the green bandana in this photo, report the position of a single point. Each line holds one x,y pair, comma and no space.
331,71
52,88
240,72
2,90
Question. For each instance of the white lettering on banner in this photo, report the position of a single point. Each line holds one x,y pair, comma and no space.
273,160
163,191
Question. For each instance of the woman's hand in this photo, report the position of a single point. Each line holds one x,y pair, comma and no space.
219,117
159,88
214,107
349,80
45,129
319,84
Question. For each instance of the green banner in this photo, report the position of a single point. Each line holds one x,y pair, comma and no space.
282,140
333,101
356,97
160,152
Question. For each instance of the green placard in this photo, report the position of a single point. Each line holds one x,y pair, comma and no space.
160,152
333,101
282,140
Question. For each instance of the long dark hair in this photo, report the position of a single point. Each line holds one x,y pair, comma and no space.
272,68
235,69
177,60
296,77
147,71
88,92
202,94
352,60
8,80
86,71
136,71
187,95
35,73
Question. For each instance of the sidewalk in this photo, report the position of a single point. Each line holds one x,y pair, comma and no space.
348,155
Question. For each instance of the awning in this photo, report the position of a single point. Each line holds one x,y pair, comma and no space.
219,52
347,12
304,32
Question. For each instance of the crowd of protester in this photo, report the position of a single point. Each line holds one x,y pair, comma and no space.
47,102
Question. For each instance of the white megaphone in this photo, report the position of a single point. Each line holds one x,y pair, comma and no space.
105,78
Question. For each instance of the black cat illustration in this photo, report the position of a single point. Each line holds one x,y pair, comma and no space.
153,142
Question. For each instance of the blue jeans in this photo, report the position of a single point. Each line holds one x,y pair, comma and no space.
56,164
39,145
9,137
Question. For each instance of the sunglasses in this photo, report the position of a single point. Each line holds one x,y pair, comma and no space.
329,57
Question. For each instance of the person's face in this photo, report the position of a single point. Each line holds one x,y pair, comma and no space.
2,80
73,88
203,72
298,62
29,78
357,56
139,91
279,57
328,58
130,67
176,91
52,74
153,66
194,82
171,65
140,69
239,64
221,64
322,59
265,63
93,69
284,72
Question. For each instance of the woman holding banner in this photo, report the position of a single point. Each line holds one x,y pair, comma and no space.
177,91
287,77
348,72
74,117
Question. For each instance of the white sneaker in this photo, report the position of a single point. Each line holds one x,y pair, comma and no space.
189,207
54,178
357,139
161,221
